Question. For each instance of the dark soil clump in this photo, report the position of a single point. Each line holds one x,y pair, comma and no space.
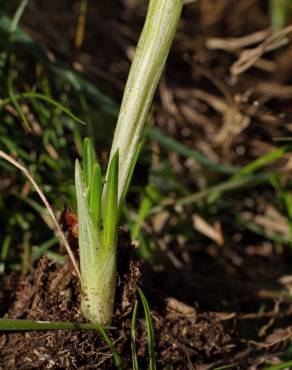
51,294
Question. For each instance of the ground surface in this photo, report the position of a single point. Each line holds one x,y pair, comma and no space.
216,265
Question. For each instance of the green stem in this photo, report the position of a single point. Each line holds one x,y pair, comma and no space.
97,246
151,53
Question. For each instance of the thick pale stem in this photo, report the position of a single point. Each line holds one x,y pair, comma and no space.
99,291
97,264
98,249
147,66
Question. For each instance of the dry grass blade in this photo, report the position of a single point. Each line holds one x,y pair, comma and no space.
212,232
236,43
250,56
62,236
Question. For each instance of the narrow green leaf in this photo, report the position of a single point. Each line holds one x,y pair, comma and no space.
133,338
150,334
15,103
151,196
284,365
245,182
29,325
20,325
111,346
95,194
4,249
11,28
111,204
38,96
88,161
224,367
171,144
39,250
18,14
262,161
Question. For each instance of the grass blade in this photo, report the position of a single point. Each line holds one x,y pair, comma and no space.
11,33
173,145
39,96
262,161
111,346
21,325
284,365
80,31
18,14
150,197
29,325
133,338
14,101
5,247
150,334
246,182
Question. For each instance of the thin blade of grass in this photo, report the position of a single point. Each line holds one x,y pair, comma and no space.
5,247
224,367
80,31
39,250
262,161
150,334
14,101
133,338
39,96
11,32
255,165
229,185
249,181
20,325
109,342
18,14
173,145
150,197
79,83
284,365
252,226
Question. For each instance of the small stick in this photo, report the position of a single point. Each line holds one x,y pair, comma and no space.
62,236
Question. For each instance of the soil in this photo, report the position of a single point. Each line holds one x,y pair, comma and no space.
186,336
215,301
52,293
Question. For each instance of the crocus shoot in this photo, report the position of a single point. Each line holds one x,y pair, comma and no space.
99,206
